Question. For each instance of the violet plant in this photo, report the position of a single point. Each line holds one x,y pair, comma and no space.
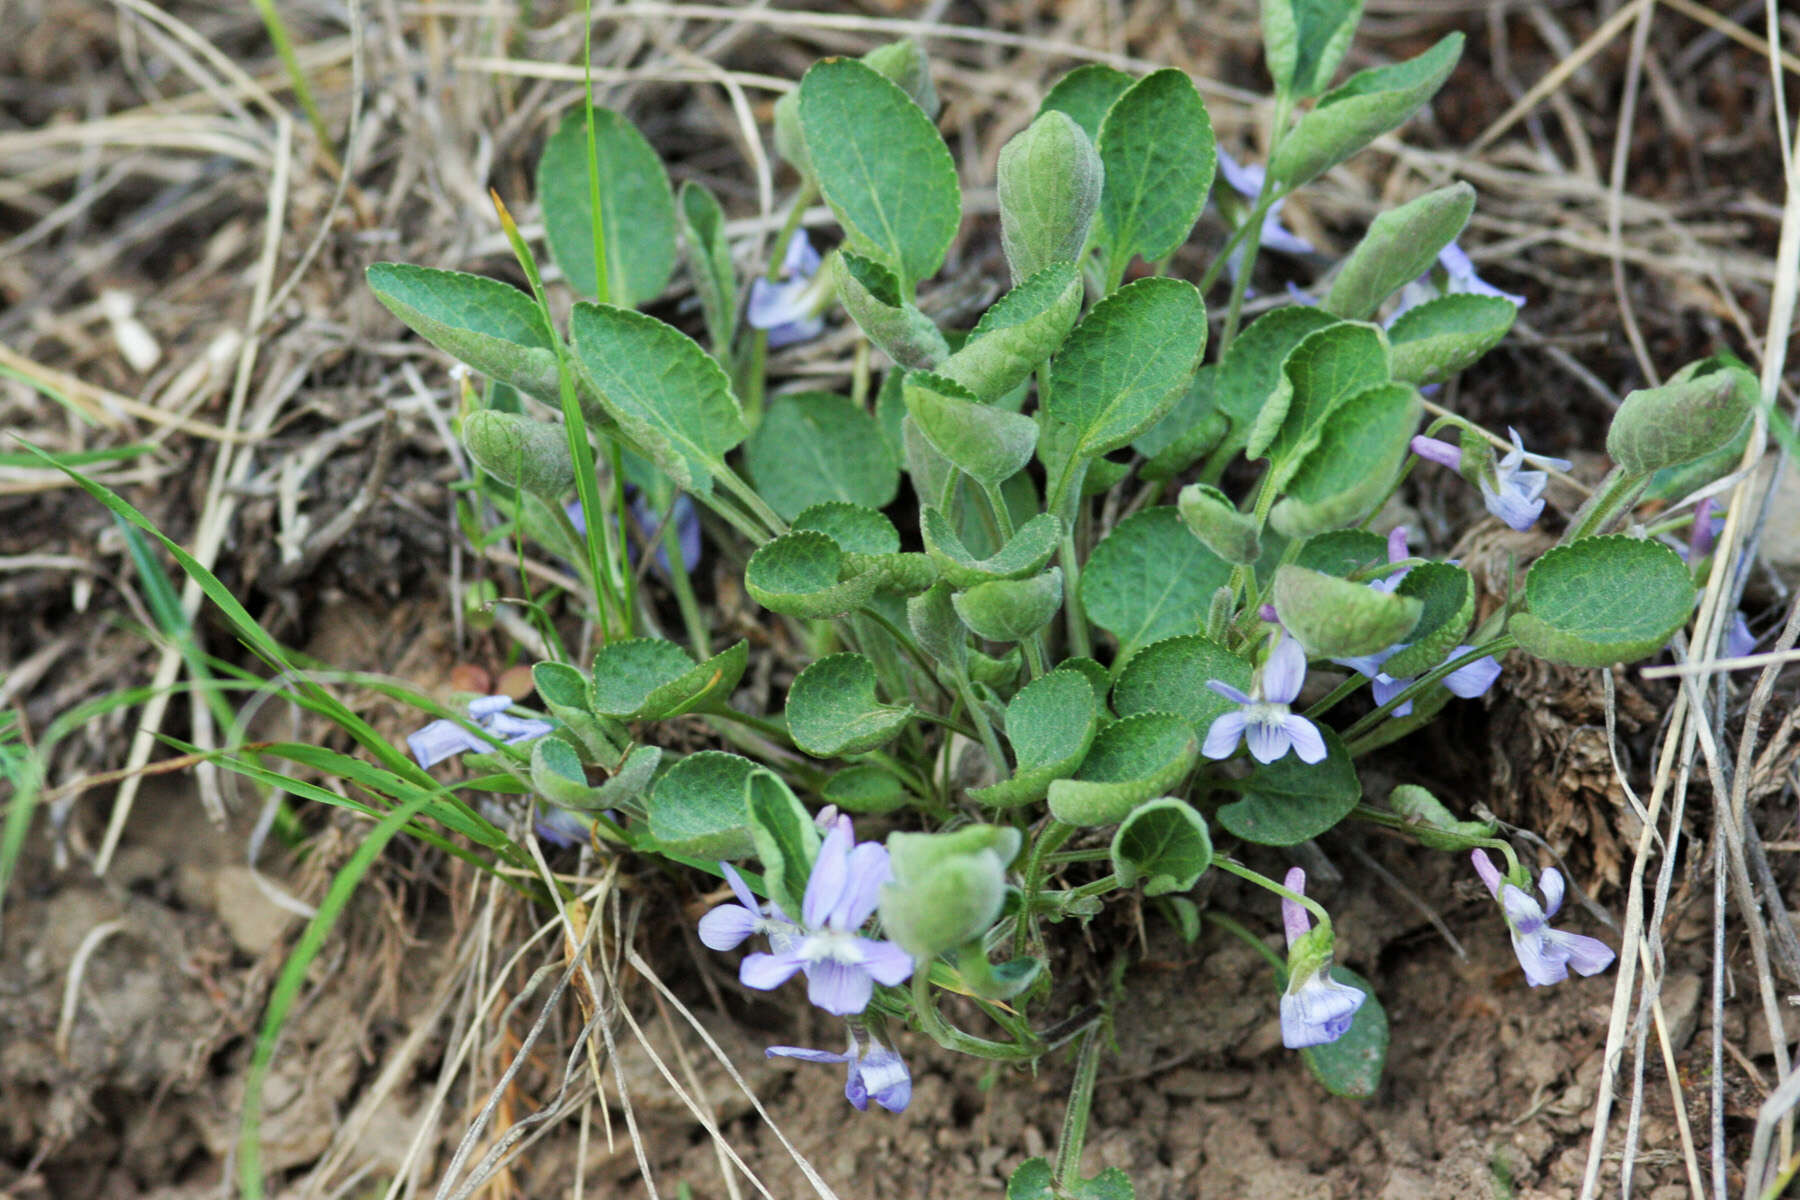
1026,676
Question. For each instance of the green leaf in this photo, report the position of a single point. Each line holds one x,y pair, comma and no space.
873,297
1250,372
786,839
1603,600
558,776
636,206
1130,761
865,789
987,444
1085,94
832,709
816,446
1305,40
697,807
521,452
1150,579
1352,1065
1170,676
1320,374
1033,1179
856,529
1165,844
1448,594
1010,610
1401,245
1018,334
1050,724
1342,551
1123,366
1210,516
564,691
881,166
1288,801
1438,338
1048,185
1700,410
1335,618
1156,145
945,889
934,478
1434,825
1369,104
936,627
1193,427
682,413
709,262
632,779
492,326
797,574
1033,545
648,679
1352,470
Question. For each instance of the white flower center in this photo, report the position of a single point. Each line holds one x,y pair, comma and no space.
1267,714
831,945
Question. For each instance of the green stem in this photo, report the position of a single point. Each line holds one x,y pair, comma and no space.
1049,839
1337,694
753,381
1368,721
1099,887
1231,926
1075,1116
1074,614
951,1038
1615,494
683,587
1312,906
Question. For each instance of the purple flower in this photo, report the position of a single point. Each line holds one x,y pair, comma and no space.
1315,1008
1739,641
1397,551
875,1071
841,966
1263,720
1466,682
1545,953
1246,179
1510,493
444,739
1705,531
1459,276
788,307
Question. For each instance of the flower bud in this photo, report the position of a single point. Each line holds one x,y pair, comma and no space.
1049,188
533,455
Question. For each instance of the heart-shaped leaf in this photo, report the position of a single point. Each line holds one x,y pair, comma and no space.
558,775
1320,375
856,530
1050,724
1018,334
492,326
650,679
798,574
1031,546
1700,410
636,205
1156,145
1367,105
865,788
1170,676
1401,245
1123,366
1342,551
816,446
1165,844
987,444
683,413
1150,579
832,708
1602,601
881,166
1288,801
1334,618
1010,610
1352,469
1440,337
697,807
1085,94
1130,761
1448,594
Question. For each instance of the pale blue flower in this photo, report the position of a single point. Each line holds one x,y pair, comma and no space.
1315,1008
788,307
1459,278
1511,493
1263,720
841,966
875,1072
682,513
1546,954
1246,179
445,739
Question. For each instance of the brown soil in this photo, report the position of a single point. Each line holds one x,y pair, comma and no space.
129,1003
